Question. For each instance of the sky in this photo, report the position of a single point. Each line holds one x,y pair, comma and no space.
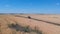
30,6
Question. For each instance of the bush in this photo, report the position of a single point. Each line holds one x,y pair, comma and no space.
26,29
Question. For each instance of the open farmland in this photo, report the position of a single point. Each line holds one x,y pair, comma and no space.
47,24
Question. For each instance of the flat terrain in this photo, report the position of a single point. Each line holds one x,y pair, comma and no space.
48,24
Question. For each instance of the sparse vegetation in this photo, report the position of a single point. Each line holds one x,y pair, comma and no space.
25,29
42,21
37,31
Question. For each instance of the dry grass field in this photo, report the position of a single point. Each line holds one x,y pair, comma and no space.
29,24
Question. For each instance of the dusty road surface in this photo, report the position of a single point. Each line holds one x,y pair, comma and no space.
48,24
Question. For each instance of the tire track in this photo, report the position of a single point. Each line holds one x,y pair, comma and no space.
38,20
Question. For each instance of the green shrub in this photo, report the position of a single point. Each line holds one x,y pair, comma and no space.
26,29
